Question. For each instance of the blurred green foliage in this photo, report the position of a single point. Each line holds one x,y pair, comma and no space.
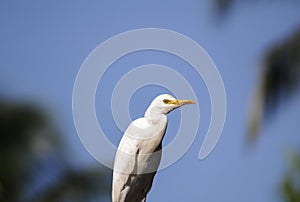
280,78
32,165
291,183
223,6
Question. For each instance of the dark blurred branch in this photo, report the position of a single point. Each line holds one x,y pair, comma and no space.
290,185
280,79
75,185
32,165
223,6
19,123
282,71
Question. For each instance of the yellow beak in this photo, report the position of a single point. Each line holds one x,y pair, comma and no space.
182,102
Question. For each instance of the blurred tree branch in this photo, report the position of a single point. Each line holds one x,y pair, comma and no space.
280,75
223,6
32,167
280,79
291,182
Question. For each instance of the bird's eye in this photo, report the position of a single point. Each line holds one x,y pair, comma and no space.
166,101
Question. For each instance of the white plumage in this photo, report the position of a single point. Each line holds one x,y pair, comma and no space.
139,151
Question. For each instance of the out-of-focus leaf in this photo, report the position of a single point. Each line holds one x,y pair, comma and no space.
19,123
74,185
223,6
32,165
282,71
290,186
280,79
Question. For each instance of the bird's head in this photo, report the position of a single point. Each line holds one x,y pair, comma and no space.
163,104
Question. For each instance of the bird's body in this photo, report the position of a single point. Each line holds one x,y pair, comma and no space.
139,151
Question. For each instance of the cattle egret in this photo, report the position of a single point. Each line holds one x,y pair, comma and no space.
139,151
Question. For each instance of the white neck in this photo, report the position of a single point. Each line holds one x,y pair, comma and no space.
154,116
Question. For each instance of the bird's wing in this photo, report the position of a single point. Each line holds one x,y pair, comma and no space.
127,184
125,167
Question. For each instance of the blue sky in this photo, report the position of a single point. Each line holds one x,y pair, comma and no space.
43,45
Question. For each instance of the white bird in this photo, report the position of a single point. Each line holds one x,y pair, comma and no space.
139,151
